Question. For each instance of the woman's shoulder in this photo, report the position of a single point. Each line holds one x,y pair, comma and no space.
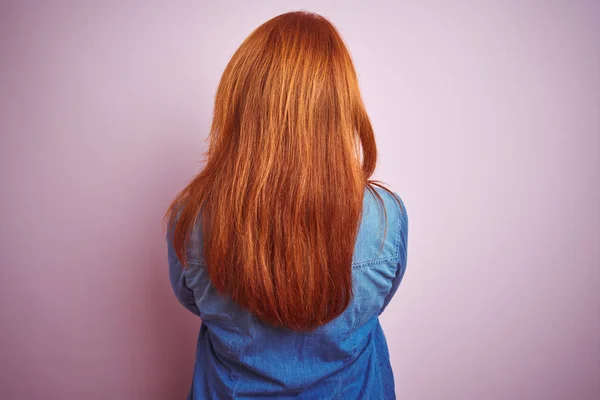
384,206
391,199
383,221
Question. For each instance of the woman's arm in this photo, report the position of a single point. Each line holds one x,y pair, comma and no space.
183,293
402,254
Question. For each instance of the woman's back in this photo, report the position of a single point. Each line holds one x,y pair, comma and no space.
278,242
240,357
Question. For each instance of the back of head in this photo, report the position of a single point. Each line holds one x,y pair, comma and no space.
280,196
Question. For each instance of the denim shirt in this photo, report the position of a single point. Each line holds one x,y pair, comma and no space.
239,357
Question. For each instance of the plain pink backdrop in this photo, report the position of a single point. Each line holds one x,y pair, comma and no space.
487,120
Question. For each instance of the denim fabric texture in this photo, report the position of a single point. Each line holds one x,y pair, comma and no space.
239,357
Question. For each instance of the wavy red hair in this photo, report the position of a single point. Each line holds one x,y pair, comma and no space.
280,196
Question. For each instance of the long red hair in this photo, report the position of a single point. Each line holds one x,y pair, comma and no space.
280,197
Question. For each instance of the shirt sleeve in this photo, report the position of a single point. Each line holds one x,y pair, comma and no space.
402,255
183,293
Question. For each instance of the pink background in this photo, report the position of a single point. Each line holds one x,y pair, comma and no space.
487,120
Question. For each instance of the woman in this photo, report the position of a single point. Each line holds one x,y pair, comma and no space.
282,244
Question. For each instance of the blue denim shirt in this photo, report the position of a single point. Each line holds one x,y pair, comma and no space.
239,357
